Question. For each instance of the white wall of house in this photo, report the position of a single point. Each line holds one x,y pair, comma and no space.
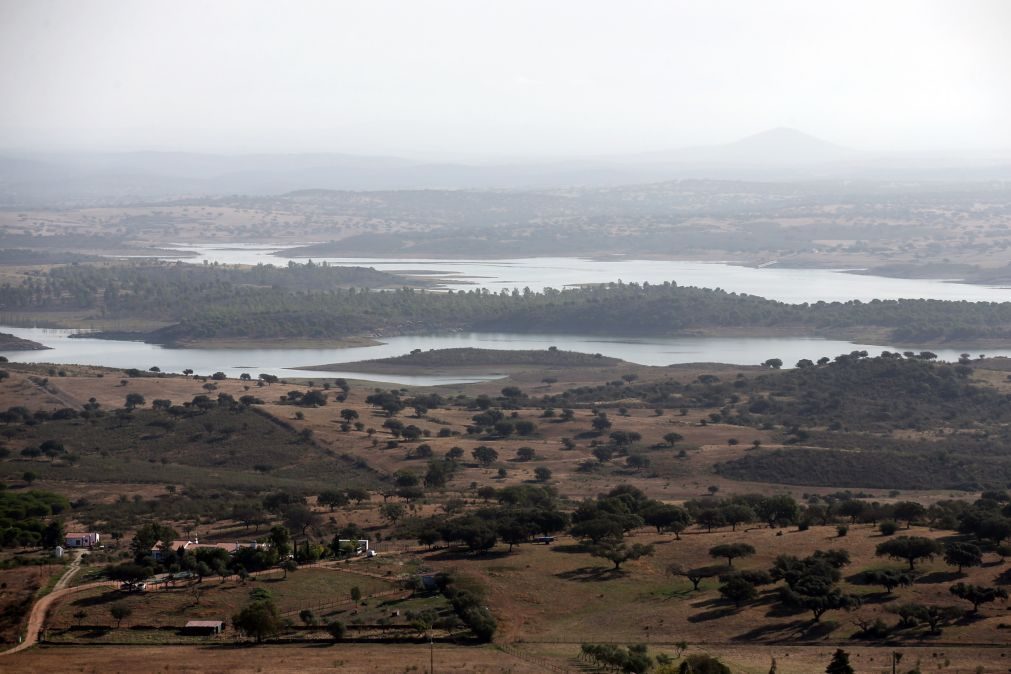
82,540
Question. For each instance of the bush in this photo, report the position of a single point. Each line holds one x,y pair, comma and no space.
470,609
888,527
700,663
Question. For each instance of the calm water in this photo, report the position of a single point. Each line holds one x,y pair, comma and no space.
233,362
786,285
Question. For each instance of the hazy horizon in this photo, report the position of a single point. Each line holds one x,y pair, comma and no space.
522,79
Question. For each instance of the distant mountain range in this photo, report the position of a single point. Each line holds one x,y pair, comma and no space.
777,154
773,148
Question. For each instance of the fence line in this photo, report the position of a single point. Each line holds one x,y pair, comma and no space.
540,662
335,603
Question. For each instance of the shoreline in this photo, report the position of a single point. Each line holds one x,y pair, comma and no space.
965,273
906,271
9,342
868,336
225,343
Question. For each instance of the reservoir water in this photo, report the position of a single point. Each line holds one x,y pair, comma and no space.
786,285
279,361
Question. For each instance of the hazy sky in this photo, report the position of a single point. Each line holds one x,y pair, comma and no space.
506,77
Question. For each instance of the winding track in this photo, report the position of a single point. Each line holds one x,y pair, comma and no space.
37,618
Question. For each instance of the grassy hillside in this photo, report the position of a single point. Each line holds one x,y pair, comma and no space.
232,473
179,464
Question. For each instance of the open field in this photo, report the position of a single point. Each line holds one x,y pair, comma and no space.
536,659
546,599
548,593
215,600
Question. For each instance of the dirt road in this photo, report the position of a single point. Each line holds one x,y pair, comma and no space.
37,619
70,571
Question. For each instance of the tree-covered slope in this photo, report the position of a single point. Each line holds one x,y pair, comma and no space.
321,301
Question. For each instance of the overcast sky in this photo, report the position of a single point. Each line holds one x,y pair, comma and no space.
510,77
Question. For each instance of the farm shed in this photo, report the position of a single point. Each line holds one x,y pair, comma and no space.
204,627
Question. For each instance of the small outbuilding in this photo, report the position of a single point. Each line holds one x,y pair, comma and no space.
204,627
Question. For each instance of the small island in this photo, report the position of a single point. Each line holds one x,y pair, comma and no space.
9,342
456,360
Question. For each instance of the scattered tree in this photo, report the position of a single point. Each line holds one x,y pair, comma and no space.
962,555
738,590
259,620
695,575
337,630
977,594
119,612
840,663
731,551
618,552
909,548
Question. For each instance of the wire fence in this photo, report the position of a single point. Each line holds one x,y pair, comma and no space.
546,665
344,601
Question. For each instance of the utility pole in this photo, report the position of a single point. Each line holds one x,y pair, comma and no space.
431,654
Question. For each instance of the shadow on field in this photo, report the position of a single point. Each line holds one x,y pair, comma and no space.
712,614
666,541
969,618
877,598
570,548
591,574
775,632
781,610
99,599
938,577
454,554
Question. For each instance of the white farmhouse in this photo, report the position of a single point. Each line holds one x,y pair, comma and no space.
81,540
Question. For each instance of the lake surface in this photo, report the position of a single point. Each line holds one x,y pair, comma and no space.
786,285
233,362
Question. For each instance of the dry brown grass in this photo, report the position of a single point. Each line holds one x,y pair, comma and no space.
213,599
559,593
349,658
17,586
407,658
549,599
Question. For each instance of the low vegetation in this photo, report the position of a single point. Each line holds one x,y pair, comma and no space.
508,512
